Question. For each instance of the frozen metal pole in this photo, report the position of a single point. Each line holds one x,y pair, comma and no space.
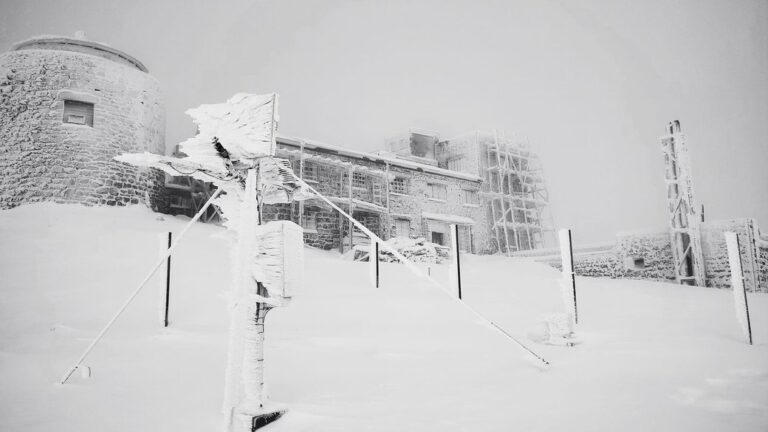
167,282
373,262
456,262
737,282
569,276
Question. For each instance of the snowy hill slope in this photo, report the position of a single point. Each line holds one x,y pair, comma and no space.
347,357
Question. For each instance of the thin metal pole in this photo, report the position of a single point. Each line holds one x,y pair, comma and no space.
573,279
455,233
744,289
376,257
168,282
136,292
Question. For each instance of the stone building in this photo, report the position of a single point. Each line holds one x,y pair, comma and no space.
67,107
393,196
416,188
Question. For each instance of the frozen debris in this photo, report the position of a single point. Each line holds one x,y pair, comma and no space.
245,126
554,329
205,169
416,250
278,261
278,183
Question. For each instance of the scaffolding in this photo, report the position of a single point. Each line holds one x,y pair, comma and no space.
513,189
683,217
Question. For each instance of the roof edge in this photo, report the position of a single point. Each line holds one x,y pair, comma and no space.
62,40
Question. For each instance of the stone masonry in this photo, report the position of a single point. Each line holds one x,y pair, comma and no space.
44,158
649,256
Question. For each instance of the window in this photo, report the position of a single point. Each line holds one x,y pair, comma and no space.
399,185
456,163
634,263
76,112
402,228
438,238
470,196
358,180
310,171
309,221
179,202
177,180
437,191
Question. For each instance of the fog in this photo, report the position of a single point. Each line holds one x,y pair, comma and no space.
591,85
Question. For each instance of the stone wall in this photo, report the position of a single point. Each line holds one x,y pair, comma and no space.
649,256
633,256
716,253
44,159
762,265
646,256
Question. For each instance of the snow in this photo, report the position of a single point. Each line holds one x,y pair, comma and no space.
461,220
346,357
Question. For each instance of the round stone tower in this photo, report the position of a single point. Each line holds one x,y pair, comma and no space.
67,107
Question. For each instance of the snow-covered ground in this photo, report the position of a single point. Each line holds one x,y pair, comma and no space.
347,357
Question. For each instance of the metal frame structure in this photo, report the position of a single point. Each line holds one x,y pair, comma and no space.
516,193
684,219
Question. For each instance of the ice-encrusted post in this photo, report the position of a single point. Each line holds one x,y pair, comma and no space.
568,281
737,282
235,149
242,310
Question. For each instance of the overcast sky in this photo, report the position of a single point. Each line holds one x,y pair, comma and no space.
590,84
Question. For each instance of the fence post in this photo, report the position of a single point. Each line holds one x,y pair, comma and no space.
569,276
737,283
373,262
164,283
456,261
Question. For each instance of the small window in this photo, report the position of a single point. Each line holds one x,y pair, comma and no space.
634,263
177,180
438,238
179,202
309,221
402,228
310,171
438,191
76,112
470,196
456,163
399,185
358,180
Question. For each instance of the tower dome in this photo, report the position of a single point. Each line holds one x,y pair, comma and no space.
67,107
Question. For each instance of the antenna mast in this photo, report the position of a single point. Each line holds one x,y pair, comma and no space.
684,219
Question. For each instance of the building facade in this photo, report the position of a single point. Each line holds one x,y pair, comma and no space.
67,107
416,188
392,196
